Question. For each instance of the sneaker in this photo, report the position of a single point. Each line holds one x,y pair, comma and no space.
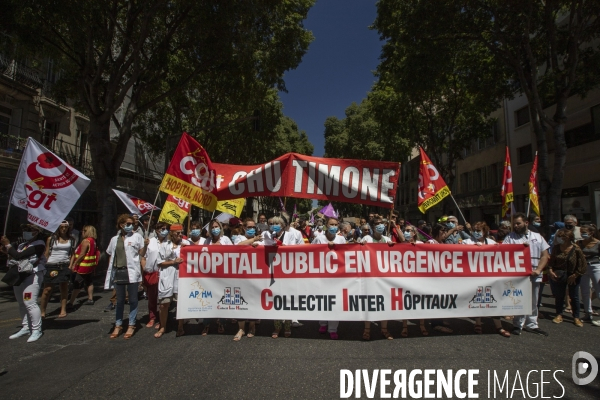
22,332
596,323
558,319
323,329
516,331
90,303
296,324
109,307
37,333
578,322
537,331
333,335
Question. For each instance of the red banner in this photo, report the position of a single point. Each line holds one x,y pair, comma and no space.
297,175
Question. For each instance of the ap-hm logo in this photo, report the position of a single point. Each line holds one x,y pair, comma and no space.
512,293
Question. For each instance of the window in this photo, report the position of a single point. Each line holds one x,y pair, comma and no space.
49,134
522,116
494,134
477,179
585,133
464,182
525,154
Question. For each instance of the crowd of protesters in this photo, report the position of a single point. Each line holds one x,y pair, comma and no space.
145,259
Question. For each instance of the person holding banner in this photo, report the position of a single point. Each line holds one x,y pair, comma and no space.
27,286
124,271
177,240
410,236
539,259
59,248
83,263
159,256
378,233
216,237
439,233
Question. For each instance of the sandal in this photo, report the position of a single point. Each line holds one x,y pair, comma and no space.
567,310
287,334
150,323
478,329
238,335
251,333
275,334
386,334
157,326
503,332
443,329
116,332
424,330
159,334
404,332
180,333
220,328
367,334
205,330
130,332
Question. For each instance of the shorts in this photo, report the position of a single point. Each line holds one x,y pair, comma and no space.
57,273
83,281
167,300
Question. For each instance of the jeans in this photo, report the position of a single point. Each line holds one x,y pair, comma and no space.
27,295
560,289
593,274
530,321
132,290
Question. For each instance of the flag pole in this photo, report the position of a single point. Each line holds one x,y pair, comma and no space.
528,205
6,217
152,212
189,220
458,208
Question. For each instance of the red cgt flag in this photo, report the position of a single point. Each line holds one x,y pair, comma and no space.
432,187
191,176
507,185
533,188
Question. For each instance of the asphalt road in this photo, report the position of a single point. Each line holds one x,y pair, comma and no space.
76,359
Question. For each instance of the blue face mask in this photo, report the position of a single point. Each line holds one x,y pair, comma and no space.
250,232
407,235
477,234
380,228
451,225
195,232
215,231
332,229
276,228
585,235
163,233
128,228
537,224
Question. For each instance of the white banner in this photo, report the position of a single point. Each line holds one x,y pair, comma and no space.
133,204
353,282
46,186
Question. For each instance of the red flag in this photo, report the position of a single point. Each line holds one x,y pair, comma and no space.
432,187
191,176
507,185
533,187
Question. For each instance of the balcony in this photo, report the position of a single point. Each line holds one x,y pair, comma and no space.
18,72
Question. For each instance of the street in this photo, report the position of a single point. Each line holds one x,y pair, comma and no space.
76,359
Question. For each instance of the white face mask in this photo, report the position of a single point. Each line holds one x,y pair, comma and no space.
28,235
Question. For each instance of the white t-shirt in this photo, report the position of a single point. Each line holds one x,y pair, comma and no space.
322,239
223,240
318,233
486,241
370,239
60,252
292,236
133,243
537,244
158,252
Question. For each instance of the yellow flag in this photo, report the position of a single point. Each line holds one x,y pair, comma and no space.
233,207
174,211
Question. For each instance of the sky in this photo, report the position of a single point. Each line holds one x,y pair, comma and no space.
338,67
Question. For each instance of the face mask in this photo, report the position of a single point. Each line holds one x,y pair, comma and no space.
451,225
276,228
163,233
195,232
558,240
380,228
332,229
569,227
28,235
585,235
407,235
215,231
128,228
320,227
477,234
250,232
537,224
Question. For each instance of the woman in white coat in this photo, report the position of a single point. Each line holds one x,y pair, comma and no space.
125,271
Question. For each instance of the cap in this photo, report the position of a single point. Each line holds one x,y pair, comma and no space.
176,227
234,222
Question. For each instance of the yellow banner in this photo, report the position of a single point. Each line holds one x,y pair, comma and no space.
233,207
533,197
172,213
432,201
188,192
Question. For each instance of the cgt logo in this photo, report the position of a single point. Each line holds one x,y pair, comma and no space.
581,364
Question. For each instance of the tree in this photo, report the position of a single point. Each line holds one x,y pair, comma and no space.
434,92
134,54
